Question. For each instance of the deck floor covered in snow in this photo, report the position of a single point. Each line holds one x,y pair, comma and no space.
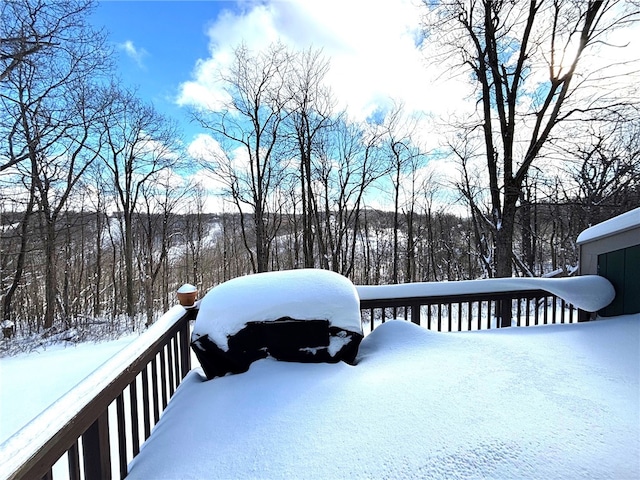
560,401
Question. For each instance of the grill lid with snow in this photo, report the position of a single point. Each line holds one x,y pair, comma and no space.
304,315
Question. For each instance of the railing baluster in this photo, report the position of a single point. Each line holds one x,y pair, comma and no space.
449,318
176,361
135,421
163,378
415,313
545,310
185,358
170,355
73,458
95,446
146,411
122,436
154,386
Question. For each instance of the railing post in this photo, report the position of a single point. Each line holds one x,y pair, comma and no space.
415,314
503,312
583,316
185,353
95,444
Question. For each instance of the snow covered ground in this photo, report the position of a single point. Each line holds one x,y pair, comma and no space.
558,401
30,382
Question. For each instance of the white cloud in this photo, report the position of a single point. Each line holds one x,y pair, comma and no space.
205,148
375,60
371,46
137,54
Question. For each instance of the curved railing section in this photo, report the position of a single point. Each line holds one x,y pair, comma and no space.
483,304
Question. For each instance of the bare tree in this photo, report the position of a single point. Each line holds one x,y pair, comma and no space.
350,162
404,159
193,233
157,221
44,48
50,57
526,59
139,143
604,171
26,27
250,126
56,176
465,150
311,109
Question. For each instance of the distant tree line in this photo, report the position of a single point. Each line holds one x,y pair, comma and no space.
99,225
205,249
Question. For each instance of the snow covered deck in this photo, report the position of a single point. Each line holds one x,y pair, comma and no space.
559,401
415,403
549,402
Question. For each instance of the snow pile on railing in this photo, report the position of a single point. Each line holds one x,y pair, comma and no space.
588,292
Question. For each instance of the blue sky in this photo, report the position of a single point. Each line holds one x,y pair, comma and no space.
158,43
172,52
370,44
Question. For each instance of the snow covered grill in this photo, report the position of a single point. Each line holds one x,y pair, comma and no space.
303,315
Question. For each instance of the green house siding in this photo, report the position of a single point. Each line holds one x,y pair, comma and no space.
632,280
622,269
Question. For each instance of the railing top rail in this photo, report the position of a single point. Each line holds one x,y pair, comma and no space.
447,299
588,292
43,439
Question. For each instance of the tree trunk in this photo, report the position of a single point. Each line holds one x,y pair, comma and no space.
50,274
262,251
128,267
396,222
504,251
98,272
20,259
